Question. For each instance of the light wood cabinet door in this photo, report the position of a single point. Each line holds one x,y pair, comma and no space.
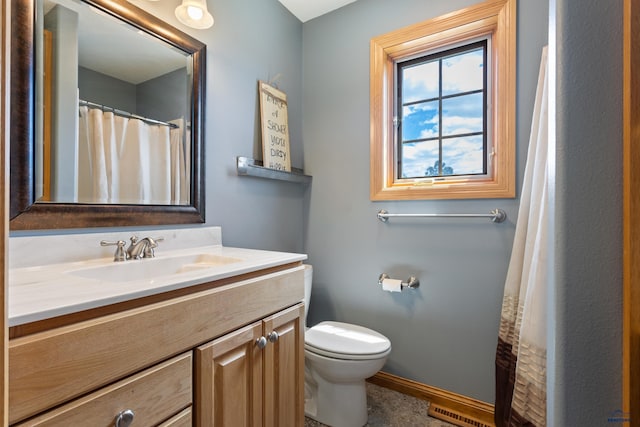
240,383
228,381
284,369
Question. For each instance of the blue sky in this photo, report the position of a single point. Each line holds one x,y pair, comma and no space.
461,73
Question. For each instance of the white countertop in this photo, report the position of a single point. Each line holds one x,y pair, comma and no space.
45,291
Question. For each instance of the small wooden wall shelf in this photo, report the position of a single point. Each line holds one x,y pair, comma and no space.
251,167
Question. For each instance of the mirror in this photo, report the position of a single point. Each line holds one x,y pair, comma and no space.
85,128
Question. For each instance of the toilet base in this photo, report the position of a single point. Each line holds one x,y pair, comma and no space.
337,405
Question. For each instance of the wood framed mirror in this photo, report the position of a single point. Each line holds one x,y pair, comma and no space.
32,205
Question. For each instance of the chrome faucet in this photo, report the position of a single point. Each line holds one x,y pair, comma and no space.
142,248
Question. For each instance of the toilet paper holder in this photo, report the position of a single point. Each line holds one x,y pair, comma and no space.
412,283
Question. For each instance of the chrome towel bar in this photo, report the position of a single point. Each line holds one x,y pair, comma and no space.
496,215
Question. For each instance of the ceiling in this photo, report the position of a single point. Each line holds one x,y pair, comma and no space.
111,47
306,10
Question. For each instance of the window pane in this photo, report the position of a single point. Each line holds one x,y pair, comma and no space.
463,156
462,114
417,157
447,118
420,121
420,82
462,73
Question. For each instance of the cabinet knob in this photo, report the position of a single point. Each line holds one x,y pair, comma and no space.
261,342
273,336
124,418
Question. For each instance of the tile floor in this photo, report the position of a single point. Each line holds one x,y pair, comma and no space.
388,408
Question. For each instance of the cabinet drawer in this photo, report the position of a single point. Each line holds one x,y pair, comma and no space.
154,395
183,419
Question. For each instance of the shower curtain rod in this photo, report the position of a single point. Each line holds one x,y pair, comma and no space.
496,215
126,114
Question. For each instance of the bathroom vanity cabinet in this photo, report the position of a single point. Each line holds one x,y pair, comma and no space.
228,352
239,383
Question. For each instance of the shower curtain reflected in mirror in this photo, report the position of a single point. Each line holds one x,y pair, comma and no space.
127,161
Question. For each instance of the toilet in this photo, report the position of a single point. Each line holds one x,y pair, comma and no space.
338,358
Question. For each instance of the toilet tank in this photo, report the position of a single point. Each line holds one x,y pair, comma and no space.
308,281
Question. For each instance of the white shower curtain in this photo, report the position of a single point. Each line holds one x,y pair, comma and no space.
135,164
128,161
521,353
99,134
180,184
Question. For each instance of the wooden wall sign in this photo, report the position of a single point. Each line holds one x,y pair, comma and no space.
275,128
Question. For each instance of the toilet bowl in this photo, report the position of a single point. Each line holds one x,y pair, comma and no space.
338,358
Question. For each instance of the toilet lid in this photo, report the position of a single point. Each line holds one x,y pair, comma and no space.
344,338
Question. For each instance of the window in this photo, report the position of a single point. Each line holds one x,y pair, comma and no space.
442,107
441,117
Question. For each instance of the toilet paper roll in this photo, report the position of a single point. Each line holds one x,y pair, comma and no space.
392,285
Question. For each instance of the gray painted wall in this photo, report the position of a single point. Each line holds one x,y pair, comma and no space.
165,97
445,333
147,99
585,358
250,41
106,90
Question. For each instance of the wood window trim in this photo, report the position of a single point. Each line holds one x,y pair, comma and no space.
494,17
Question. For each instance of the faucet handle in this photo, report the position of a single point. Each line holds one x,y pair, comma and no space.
155,239
119,254
153,243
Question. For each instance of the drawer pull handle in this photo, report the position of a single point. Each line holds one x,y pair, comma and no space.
273,336
261,342
124,418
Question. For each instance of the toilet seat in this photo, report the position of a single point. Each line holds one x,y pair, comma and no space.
345,341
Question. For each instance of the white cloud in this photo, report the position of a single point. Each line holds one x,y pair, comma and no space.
464,155
420,150
420,82
454,125
462,73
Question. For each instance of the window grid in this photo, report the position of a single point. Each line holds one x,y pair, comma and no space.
440,57
493,20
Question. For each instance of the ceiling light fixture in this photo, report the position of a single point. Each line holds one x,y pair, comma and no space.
194,14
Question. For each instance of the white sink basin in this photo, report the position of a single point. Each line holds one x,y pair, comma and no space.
151,268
